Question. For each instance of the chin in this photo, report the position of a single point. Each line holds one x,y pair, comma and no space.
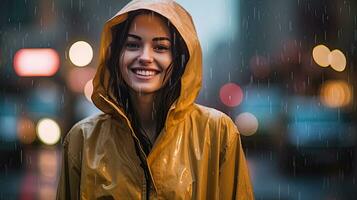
145,89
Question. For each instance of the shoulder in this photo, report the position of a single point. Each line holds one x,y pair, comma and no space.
73,141
89,122
219,122
84,128
209,112
214,116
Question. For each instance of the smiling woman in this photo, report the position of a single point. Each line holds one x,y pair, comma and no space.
153,141
145,50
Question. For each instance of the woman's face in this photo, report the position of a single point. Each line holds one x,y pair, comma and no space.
146,55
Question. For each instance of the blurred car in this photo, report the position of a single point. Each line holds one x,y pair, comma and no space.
317,138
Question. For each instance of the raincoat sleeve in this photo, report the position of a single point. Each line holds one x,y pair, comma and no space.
69,181
234,180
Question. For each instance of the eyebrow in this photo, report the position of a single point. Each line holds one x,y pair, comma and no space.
154,39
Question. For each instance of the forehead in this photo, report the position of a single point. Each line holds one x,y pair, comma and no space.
149,25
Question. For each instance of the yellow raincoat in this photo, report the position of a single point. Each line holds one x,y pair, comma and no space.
197,155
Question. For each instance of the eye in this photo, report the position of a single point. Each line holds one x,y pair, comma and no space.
161,48
132,45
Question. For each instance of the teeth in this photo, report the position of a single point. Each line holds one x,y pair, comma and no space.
145,72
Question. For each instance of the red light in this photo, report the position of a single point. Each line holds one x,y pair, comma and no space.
231,94
36,62
78,77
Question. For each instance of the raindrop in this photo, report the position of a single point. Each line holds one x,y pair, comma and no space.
62,99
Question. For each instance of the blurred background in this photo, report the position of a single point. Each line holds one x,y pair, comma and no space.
283,70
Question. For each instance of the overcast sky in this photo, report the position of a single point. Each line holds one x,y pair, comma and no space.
215,20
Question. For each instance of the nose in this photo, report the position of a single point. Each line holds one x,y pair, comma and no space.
146,56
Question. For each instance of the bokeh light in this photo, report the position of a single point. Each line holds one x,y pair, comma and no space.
8,125
231,94
36,62
336,94
337,60
26,131
81,53
46,191
78,78
48,131
247,124
320,55
88,90
47,164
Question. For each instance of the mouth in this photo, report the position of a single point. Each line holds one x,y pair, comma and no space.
145,72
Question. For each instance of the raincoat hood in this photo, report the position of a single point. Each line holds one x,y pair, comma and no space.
192,76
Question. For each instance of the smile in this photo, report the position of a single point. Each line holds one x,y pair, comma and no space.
143,72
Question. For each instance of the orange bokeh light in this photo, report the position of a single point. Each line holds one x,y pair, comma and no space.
26,131
336,94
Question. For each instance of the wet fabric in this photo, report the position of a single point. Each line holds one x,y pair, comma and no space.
197,155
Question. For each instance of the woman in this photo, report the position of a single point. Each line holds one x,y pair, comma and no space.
153,141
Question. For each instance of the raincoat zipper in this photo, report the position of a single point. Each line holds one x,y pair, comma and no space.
142,156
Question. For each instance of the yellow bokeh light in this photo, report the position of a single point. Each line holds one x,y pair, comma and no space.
336,94
247,124
320,55
337,60
48,131
81,53
88,90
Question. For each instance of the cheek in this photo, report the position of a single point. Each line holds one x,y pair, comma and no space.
127,58
165,61
123,63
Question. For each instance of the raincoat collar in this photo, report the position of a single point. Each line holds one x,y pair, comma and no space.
191,78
